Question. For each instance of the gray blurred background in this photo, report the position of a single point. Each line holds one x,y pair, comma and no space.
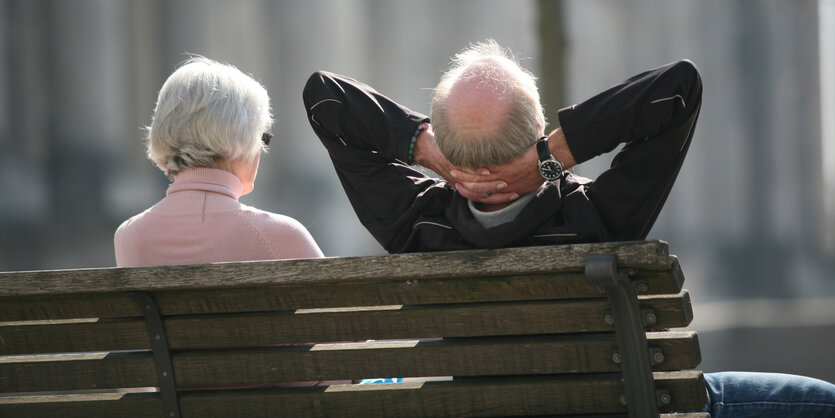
752,217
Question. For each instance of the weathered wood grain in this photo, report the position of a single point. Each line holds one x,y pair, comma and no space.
452,320
77,372
288,297
547,395
92,405
412,321
681,349
415,266
450,357
687,390
386,292
62,306
148,405
74,337
459,357
677,310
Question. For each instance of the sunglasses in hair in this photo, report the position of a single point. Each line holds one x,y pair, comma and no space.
266,137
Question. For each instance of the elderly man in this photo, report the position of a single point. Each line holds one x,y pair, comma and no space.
486,117
506,183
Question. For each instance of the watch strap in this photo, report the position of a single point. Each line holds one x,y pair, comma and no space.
542,149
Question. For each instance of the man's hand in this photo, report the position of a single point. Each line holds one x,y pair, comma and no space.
480,188
521,175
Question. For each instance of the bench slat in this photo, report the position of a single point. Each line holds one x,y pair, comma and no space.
550,395
459,357
687,389
77,372
383,292
542,395
506,261
389,292
260,329
93,405
50,307
92,335
467,320
402,292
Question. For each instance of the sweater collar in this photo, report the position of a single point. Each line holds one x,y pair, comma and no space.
207,179
545,203
501,216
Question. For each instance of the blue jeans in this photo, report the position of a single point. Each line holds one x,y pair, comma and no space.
745,394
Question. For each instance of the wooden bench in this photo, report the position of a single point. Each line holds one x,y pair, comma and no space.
525,331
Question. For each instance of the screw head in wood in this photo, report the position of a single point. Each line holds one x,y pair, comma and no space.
658,357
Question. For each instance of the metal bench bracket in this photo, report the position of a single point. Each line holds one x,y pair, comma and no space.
162,356
640,398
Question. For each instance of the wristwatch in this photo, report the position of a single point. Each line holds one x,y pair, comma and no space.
549,168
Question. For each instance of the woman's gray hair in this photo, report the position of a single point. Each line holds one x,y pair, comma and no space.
207,112
525,121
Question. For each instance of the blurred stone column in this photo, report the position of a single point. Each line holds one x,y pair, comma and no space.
826,19
552,66
91,93
24,130
24,112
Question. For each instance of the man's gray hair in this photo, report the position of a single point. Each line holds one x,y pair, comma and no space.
525,121
207,112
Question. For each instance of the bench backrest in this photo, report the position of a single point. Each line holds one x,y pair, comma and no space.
523,331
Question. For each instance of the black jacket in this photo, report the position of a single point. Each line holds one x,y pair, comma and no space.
368,135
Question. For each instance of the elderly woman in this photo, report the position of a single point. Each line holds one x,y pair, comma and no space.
209,128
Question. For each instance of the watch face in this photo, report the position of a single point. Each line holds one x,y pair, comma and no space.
550,170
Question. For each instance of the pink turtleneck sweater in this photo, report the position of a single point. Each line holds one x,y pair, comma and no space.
201,221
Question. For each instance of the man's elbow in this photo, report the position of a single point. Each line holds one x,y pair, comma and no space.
687,82
317,88
689,74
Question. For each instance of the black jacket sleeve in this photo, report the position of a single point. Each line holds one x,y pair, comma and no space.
654,113
639,108
367,136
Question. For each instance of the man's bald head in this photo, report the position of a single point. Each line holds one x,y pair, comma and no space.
478,101
486,108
